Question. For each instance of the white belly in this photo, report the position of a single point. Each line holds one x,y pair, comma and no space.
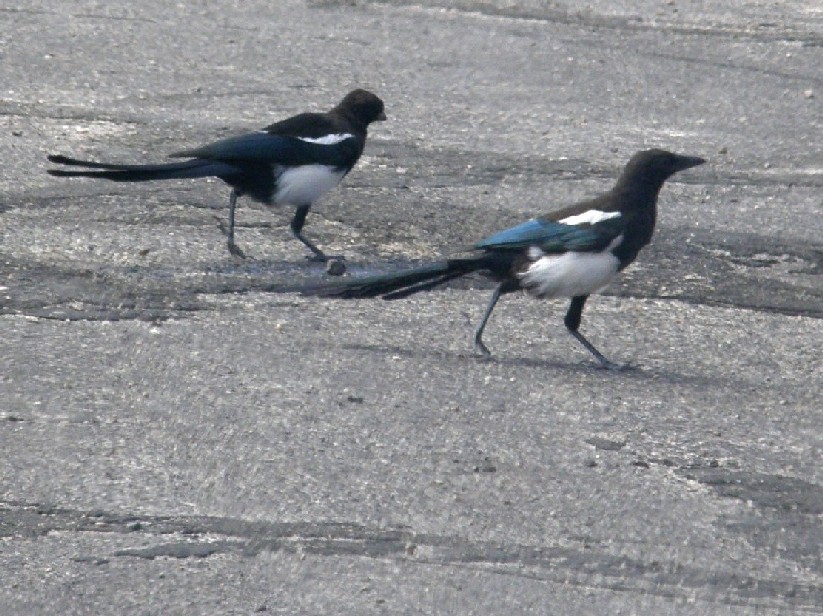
306,184
570,274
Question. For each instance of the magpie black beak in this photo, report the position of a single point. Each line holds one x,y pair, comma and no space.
687,162
382,117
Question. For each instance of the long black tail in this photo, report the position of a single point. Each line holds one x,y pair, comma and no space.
195,168
398,284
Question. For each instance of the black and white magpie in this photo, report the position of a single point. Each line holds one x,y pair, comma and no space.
573,252
291,162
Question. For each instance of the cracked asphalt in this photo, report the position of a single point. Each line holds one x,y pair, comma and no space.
180,436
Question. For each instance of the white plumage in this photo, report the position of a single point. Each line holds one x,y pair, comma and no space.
305,184
590,217
571,274
327,139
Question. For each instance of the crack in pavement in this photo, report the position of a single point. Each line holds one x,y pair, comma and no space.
611,22
586,565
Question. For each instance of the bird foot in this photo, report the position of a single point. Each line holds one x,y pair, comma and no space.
234,249
481,349
613,367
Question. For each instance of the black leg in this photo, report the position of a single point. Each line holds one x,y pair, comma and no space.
506,286
233,248
572,322
297,226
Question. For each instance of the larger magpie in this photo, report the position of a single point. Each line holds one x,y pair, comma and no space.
573,252
294,161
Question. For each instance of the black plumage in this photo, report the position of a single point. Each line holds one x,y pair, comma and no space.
572,252
294,161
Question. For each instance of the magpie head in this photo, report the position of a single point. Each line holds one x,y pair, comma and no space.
658,165
363,106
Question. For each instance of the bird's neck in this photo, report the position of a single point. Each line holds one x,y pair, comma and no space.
639,192
353,119
638,203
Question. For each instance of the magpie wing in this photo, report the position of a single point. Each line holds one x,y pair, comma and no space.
555,237
263,147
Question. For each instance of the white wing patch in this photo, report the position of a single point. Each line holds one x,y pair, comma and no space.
327,139
572,273
589,217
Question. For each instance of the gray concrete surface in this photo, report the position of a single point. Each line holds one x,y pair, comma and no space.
179,438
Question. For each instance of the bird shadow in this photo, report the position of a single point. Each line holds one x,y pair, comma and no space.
632,371
585,367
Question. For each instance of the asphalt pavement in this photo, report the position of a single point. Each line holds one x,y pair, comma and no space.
180,436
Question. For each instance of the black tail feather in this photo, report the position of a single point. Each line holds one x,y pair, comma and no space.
76,162
195,168
424,286
397,285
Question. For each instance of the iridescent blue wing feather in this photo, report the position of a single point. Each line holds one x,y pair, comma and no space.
555,237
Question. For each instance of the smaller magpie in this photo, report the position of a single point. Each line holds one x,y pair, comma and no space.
572,253
291,162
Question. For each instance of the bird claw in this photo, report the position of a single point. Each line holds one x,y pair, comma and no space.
484,352
613,367
235,251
